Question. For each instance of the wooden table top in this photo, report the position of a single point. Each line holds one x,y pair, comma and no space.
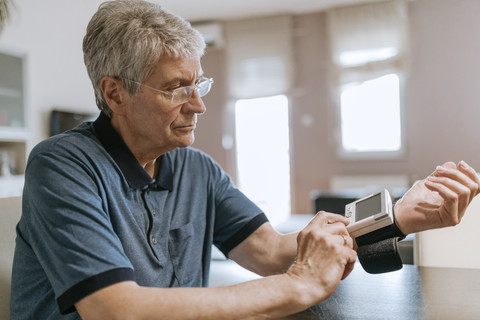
410,293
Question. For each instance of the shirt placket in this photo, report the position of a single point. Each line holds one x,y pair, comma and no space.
157,232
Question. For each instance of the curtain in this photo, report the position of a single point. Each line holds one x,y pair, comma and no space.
259,54
368,40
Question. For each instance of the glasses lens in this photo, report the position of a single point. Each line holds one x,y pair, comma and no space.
204,87
184,94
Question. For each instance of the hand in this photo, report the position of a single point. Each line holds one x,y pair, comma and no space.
438,201
324,255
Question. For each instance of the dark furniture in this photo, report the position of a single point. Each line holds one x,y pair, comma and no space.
410,293
332,202
61,121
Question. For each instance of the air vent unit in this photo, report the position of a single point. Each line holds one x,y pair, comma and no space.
212,33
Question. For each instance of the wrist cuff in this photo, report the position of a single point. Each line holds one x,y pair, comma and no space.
380,257
387,232
378,250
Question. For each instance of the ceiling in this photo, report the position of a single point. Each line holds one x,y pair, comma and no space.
204,10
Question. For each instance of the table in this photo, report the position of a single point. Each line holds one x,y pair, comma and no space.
410,293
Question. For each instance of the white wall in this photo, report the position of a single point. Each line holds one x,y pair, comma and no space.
50,32
452,247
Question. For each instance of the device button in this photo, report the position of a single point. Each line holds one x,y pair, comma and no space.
348,213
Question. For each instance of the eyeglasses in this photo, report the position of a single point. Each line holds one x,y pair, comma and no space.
184,94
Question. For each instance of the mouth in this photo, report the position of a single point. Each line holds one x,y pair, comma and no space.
186,127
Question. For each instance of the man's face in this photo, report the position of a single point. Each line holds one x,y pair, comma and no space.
154,122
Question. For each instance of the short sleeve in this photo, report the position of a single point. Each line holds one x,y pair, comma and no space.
66,222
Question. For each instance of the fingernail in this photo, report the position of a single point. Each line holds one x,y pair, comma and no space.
463,164
441,169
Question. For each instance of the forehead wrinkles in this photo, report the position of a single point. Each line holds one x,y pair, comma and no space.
174,71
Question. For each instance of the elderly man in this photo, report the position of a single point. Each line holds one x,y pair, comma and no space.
119,215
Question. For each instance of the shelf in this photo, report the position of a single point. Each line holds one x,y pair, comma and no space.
15,151
13,134
11,186
10,93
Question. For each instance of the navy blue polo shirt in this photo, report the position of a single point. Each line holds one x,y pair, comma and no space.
92,217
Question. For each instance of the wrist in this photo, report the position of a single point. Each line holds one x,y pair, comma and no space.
398,219
304,293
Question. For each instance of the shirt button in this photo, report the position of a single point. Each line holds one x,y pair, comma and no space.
154,240
153,211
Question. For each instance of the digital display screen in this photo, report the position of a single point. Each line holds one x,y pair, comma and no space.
368,207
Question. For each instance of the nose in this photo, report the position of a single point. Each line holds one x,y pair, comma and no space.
195,104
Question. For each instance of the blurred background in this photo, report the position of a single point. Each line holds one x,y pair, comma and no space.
315,103
311,100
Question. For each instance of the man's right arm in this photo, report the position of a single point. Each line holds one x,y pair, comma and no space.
322,257
269,297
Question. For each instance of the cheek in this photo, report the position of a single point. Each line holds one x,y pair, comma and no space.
162,121
153,113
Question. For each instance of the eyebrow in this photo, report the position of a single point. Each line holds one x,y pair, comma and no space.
180,80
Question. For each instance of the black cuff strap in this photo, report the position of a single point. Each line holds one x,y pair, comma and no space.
378,250
387,232
380,257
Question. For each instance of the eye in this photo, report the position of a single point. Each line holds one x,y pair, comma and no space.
180,84
201,79
173,88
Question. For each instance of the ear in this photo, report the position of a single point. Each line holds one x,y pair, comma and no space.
114,94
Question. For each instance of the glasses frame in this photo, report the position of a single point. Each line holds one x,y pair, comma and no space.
194,87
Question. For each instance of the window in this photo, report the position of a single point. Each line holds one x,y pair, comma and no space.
368,49
259,65
263,161
370,116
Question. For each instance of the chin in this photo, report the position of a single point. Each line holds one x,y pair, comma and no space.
186,142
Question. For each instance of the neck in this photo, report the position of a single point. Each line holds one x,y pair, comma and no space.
151,168
142,150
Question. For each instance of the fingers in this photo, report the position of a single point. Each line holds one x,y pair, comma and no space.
456,185
330,218
462,172
334,224
458,179
344,240
351,258
472,174
452,201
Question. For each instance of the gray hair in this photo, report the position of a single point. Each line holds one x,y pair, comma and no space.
126,38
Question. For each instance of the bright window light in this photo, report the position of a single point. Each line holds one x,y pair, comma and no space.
361,57
370,116
262,136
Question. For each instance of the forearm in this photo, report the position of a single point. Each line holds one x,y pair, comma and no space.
285,253
267,253
266,298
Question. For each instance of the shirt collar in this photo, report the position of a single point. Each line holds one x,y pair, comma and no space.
135,174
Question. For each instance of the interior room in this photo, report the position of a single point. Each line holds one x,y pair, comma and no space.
300,149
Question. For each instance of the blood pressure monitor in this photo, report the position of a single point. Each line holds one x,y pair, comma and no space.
372,225
369,214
